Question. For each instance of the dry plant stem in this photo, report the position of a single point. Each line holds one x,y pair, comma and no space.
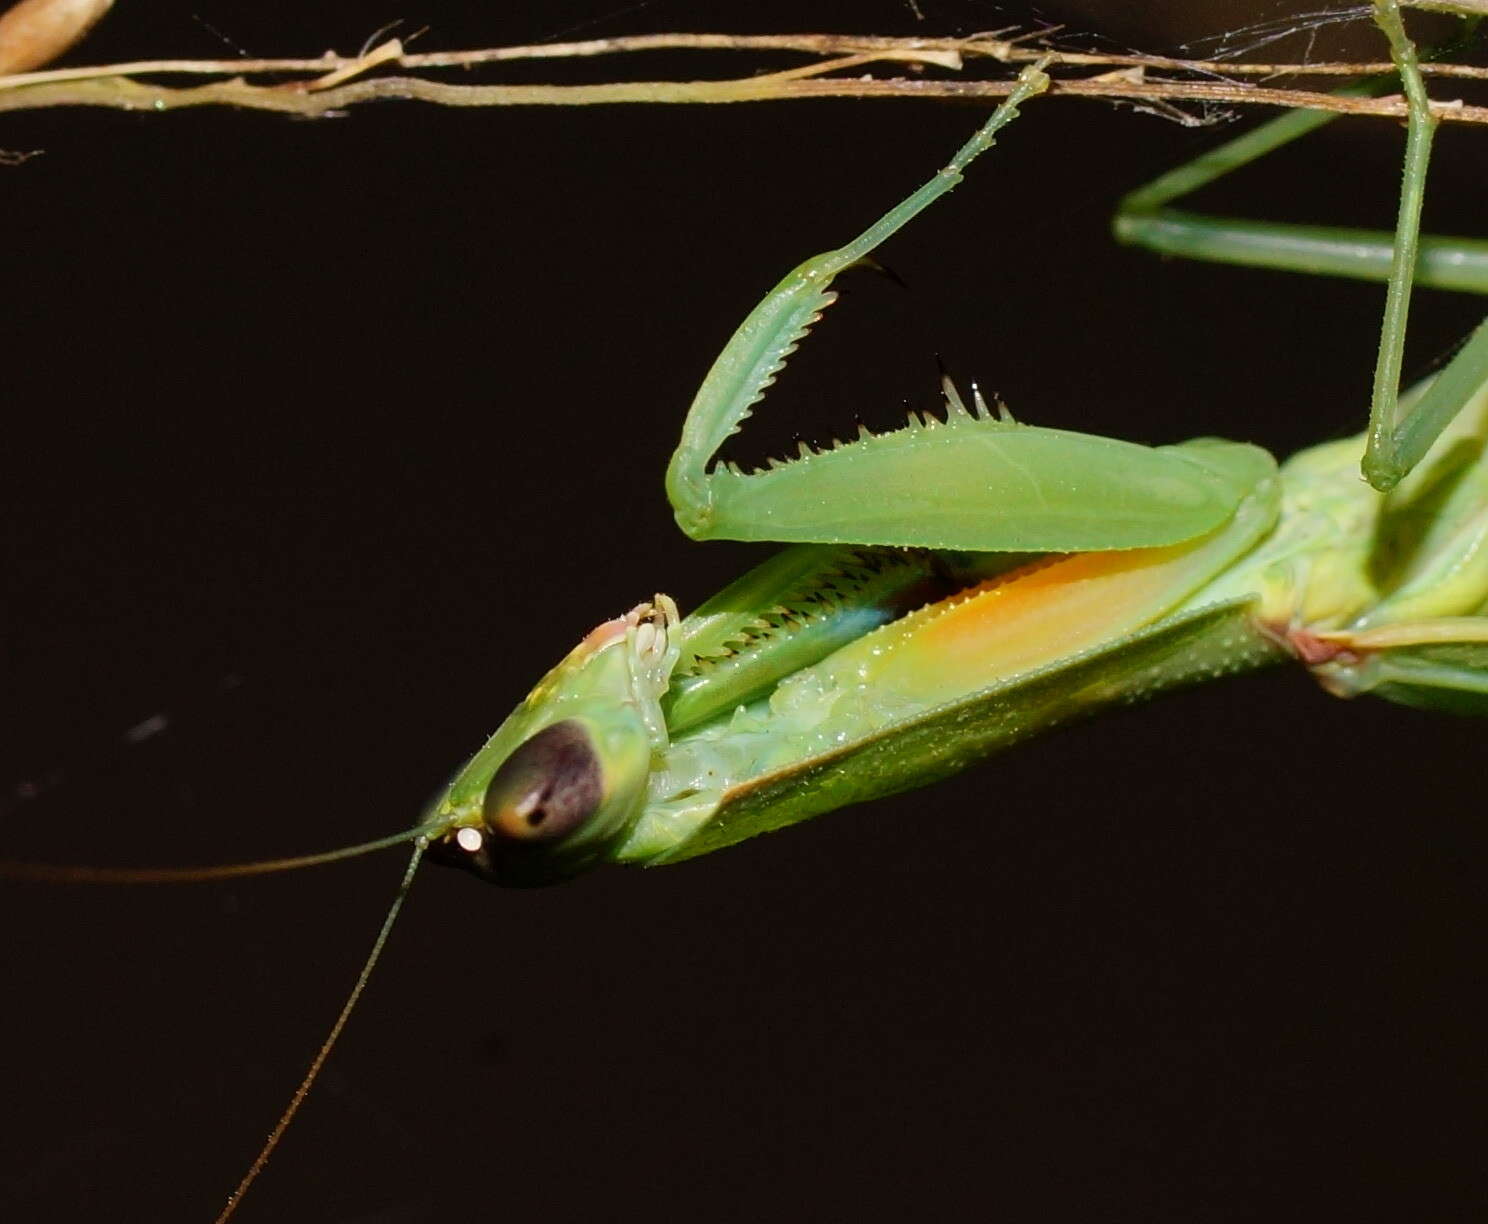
945,52
127,94
333,86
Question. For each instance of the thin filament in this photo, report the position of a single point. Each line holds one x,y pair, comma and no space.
59,873
300,1093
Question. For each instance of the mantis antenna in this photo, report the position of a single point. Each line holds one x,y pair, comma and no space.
56,873
421,843
60,873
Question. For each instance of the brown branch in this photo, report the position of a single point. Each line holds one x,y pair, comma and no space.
127,94
333,88
943,52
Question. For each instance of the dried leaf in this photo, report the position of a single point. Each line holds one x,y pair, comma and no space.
35,32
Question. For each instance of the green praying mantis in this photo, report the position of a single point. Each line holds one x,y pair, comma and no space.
817,680
831,674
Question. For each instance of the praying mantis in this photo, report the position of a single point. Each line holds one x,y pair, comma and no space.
896,859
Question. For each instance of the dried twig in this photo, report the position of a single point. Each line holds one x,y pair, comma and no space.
336,82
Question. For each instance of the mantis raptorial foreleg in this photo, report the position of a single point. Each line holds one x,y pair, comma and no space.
1397,440
974,481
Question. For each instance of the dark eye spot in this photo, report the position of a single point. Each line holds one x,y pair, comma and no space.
547,788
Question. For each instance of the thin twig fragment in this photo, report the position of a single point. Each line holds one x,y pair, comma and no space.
1155,83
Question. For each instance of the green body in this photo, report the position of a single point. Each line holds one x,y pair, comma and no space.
963,583
804,721
967,581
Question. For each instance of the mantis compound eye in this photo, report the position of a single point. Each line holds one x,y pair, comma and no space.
560,802
547,788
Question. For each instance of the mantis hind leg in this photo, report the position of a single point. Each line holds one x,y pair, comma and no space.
1397,440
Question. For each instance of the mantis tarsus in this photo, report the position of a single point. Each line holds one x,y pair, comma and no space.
468,921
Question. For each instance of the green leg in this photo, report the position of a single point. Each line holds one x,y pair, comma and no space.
971,481
759,348
1424,641
1385,458
1395,444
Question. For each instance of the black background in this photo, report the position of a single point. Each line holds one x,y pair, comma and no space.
325,439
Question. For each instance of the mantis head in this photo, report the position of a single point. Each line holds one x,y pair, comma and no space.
564,778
